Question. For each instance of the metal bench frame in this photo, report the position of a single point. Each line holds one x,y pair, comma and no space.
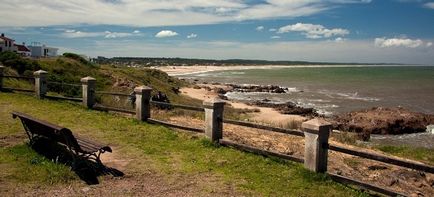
76,146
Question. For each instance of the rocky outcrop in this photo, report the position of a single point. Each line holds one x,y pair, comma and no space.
258,88
286,108
381,120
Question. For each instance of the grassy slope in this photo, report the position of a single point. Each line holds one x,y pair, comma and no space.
153,148
68,70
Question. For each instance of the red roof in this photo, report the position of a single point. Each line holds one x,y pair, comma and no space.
22,48
6,38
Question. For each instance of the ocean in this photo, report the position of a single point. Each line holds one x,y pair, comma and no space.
337,89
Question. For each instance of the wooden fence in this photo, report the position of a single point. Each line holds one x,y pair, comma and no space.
315,132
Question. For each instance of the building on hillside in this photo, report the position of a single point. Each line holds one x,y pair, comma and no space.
38,50
7,44
23,50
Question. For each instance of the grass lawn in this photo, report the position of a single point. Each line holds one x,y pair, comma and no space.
153,149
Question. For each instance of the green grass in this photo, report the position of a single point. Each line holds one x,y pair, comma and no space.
20,164
156,149
421,154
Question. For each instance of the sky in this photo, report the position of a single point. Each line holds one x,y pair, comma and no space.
369,31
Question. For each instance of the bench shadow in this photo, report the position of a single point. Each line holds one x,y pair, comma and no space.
86,169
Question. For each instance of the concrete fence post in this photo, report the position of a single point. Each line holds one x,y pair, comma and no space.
143,107
89,85
316,135
40,83
1,76
214,119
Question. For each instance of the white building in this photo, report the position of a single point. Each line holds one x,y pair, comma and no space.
7,44
39,50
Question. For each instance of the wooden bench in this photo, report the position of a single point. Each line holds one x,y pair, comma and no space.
77,146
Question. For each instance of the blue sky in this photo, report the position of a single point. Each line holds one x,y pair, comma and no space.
400,31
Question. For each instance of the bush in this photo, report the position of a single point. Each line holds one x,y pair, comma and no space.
18,63
76,57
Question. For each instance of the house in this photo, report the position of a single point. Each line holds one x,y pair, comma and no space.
38,50
23,50
7,44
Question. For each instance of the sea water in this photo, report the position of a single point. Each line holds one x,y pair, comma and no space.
337,89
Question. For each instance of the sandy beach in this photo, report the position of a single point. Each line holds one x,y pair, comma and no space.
185,70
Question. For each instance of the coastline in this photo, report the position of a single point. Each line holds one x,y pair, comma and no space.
177,71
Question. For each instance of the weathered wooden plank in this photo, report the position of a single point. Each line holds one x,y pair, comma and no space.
264,127
112,93
64,98
383,158
345,180
150,120
252,149
106,108
16,89
187,107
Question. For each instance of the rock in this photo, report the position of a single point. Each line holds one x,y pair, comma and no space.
222,96
220,91
380,120
258,88
286,108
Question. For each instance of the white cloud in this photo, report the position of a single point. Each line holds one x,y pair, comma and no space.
81,34
275,37
154,12
165,33
136,32
340,39
71,33
259,28
313,31
192,35
272,29
428,44
397,42
429,5
116,34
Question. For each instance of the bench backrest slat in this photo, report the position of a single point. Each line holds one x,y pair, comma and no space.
48,130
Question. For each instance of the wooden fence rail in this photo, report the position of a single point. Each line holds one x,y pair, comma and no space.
107,108
262,152
348,181
383,158
64,84
112,93
264,127
155,121
17,77
16,89
64,98
186,107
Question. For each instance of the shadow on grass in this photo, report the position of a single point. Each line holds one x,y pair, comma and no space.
86,169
